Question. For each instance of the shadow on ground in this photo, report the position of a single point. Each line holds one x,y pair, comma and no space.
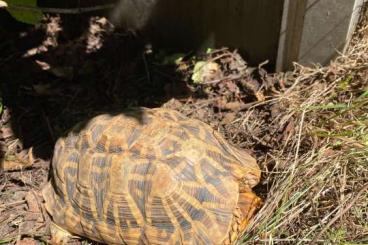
49,92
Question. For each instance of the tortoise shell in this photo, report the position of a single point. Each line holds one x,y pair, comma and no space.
150,176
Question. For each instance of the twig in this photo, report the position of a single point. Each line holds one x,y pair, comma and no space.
51,131
224,78
146,67
39,205
298,142
12,204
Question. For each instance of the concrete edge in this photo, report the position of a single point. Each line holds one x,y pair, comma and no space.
354,20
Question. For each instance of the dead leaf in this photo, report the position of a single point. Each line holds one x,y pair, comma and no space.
205,72
329,153
232,106
14,165
31,158
275,110
289,130
228,118
232,87
173,104
27,241
32,203
6,132
201,113
260,97
44,66
66,72
33,51
45,89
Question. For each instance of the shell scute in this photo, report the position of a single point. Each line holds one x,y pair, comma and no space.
150,176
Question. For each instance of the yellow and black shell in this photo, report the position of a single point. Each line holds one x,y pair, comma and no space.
150,176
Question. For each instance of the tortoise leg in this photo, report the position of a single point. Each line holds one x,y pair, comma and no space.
59,236
248,203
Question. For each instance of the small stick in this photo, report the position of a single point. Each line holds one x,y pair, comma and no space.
51,131
12,204
146,67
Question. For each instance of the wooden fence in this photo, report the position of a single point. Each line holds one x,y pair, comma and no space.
280,31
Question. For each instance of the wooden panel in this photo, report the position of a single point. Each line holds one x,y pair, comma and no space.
326,25
358,12
291,33
251,25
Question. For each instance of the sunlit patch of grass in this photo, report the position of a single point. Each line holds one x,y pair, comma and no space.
320,195
337,236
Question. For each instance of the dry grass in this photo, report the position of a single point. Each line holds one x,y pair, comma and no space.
318,186
310,136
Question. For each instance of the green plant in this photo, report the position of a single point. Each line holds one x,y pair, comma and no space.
25,10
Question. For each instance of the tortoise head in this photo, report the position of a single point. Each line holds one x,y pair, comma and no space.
247,168
243,166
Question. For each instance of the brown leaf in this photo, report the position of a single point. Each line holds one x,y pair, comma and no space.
289,129
259,95
201,113
46,89
32,203
232,106
173,104
27,241
14,165
43,65
232,87
229,118
6,132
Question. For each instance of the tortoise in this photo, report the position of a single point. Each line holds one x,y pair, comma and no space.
149,176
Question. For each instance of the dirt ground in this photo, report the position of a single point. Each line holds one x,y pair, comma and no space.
49,83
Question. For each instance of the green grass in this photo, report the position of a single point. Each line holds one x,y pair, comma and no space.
319,193
5,241
22,2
